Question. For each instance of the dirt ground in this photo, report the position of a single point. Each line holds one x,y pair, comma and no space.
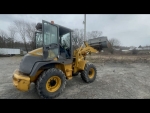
114,81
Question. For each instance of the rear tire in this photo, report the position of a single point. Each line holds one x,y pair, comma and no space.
89,73
51,83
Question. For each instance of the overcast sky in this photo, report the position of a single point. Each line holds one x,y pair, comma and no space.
130,29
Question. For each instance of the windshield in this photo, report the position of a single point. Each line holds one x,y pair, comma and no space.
50,34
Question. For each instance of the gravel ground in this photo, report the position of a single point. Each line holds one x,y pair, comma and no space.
114,81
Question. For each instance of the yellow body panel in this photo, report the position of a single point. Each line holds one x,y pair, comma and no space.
20,81
66,68
34,78
37,52
55,59
81,64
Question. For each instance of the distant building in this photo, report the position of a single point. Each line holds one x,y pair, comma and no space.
143,48
132,48
146,48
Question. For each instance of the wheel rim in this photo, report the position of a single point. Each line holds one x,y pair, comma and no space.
91,73
53,84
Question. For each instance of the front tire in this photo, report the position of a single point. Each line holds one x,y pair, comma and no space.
89,73
51,83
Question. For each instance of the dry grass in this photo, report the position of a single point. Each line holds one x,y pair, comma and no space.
119,58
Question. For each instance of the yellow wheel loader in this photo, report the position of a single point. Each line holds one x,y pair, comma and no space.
53,61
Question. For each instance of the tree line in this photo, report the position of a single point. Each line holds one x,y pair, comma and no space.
18,28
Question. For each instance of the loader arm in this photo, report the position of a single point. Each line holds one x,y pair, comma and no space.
88,49
79,55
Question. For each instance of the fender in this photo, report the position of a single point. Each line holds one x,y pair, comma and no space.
40,64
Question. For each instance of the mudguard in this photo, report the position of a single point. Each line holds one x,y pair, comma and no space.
43,65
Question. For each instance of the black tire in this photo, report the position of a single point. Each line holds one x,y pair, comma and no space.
89,68
41,84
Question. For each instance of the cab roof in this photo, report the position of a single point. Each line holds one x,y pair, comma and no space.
63,30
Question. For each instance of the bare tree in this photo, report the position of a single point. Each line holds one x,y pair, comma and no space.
77,37
30,32
7,40
4,37
11,34
140,46
94,34
113,43
20,26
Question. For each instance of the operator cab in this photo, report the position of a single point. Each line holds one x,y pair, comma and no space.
55,40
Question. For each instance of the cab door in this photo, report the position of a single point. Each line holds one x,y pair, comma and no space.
50,35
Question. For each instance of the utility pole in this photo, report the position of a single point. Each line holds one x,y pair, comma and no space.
84,27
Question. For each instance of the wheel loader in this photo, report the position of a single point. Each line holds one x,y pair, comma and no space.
53,61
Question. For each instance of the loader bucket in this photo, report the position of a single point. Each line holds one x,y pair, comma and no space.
99,43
